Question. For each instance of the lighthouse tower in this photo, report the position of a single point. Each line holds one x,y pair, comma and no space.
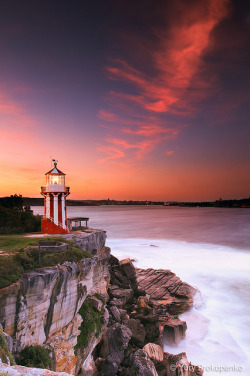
54,193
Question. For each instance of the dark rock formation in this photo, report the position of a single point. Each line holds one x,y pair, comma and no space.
139,313
138,332
111,349
142,365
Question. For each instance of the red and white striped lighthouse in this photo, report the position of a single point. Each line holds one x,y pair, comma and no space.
55,193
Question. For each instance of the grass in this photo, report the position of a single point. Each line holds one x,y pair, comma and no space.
4,351
21,255
91,324
16,242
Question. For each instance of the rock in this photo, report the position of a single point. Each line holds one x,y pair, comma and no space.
93,242
105,316
154,352
128,268
116,302
8,339
167,292
142,302
41,308
174,331
96,303
178,365
145,316
138,332
115,313
89,367
106,367
152,331
125,295
26,371
112,347
142,365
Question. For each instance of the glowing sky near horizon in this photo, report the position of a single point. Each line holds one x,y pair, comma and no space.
136,99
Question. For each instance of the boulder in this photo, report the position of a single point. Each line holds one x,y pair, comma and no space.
116,302
128,269
96,303
142,365
174,331
138,332
152,331
124,295
112,348
173,365
115,313
154,352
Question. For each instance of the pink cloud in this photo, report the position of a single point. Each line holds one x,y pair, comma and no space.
168,153
177,59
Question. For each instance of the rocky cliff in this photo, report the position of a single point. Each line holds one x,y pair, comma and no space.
99,316
42,307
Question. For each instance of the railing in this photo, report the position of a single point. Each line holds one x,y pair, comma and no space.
55,188
52,220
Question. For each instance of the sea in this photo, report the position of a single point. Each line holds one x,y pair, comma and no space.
209,248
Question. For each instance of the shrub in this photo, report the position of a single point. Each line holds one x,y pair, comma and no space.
35,356
91,324
14,265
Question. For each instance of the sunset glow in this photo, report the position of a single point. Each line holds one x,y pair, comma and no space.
135,100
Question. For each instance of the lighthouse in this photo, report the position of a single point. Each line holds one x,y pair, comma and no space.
54,193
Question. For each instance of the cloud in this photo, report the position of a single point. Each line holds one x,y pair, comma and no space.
168,153
172,89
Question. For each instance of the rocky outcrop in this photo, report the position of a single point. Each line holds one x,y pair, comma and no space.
167,292
41,308
137,348
170,297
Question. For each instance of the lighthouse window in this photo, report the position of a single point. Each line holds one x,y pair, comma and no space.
55,179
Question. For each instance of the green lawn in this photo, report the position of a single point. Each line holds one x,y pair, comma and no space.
16,242
20,254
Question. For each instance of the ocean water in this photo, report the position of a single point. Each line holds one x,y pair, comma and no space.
207,247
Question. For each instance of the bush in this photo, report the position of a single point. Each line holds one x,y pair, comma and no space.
35,356
15,218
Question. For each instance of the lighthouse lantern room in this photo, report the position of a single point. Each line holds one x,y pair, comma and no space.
54,193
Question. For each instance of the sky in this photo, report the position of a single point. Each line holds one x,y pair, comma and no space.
142,99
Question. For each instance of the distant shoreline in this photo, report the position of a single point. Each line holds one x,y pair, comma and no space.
242,203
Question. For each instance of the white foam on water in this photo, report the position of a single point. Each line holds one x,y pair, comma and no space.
206,247
219,322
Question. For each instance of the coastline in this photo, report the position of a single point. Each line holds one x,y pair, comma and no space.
213,322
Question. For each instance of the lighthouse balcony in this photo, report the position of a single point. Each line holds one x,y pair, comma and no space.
55,188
